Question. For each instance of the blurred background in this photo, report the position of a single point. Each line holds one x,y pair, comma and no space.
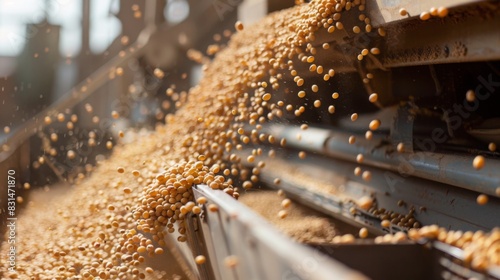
76,62
50,46
86,69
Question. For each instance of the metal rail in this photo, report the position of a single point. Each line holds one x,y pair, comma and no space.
235,231
451,169
260,250
433,203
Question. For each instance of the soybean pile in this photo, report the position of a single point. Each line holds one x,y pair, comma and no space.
296,221
110,223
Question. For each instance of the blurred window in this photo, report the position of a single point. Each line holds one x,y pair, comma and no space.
17,15
67,14
176,11
104,26
14,15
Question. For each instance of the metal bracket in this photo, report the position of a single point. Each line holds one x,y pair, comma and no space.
402,128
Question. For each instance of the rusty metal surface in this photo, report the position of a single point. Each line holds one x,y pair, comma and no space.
467,34
389,9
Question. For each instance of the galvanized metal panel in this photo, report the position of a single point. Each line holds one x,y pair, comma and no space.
278,257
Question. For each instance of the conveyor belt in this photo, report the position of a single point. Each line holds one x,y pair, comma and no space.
261,251
434,203
235,231
452,169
